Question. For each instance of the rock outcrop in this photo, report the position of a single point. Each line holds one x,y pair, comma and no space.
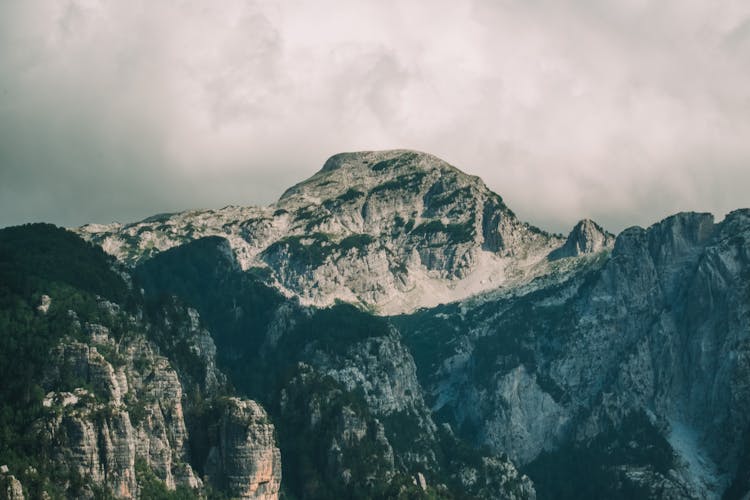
586,237
128,413
245,462
115,404
10,487
108,393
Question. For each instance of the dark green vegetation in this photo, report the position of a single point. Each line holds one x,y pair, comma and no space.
399,225
355,241
312,251
590,470
455,232
41,259
239,309
279,353
406,183
154,489
302,253
405,159
343,199
430,335
308,456
204,277
443,199
526,331
41,253
350,195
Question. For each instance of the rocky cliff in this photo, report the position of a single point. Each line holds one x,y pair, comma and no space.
100,434
585,238
115,406
10,487
650,342
625,353
108,404
245,460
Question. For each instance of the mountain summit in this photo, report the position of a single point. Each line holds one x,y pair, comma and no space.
390,230
372,168
586,237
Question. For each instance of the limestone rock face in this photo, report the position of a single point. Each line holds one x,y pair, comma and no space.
116,403
132,412
365,405
536,420
384,369
385,373
202,345
654,337
393,230
10,487
586,237
495,478
246,460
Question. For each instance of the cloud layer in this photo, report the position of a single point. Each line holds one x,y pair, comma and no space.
620,110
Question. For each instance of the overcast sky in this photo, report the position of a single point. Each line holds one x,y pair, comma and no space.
624,110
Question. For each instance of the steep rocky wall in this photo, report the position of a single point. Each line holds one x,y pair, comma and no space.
246,461
127,413
661,328
10,487
112,404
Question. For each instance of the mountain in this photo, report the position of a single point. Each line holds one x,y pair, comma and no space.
389,230
387,329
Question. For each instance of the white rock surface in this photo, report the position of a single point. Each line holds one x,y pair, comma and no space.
391,230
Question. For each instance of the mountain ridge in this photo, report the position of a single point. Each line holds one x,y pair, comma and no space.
399,229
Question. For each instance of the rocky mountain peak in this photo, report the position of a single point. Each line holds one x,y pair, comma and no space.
586,237
390,230
367,170
382,192
380,161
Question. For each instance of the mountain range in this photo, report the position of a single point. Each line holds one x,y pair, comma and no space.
388,328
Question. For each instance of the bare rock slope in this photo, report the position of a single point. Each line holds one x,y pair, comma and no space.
391,230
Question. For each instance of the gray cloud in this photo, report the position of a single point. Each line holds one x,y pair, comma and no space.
620,110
